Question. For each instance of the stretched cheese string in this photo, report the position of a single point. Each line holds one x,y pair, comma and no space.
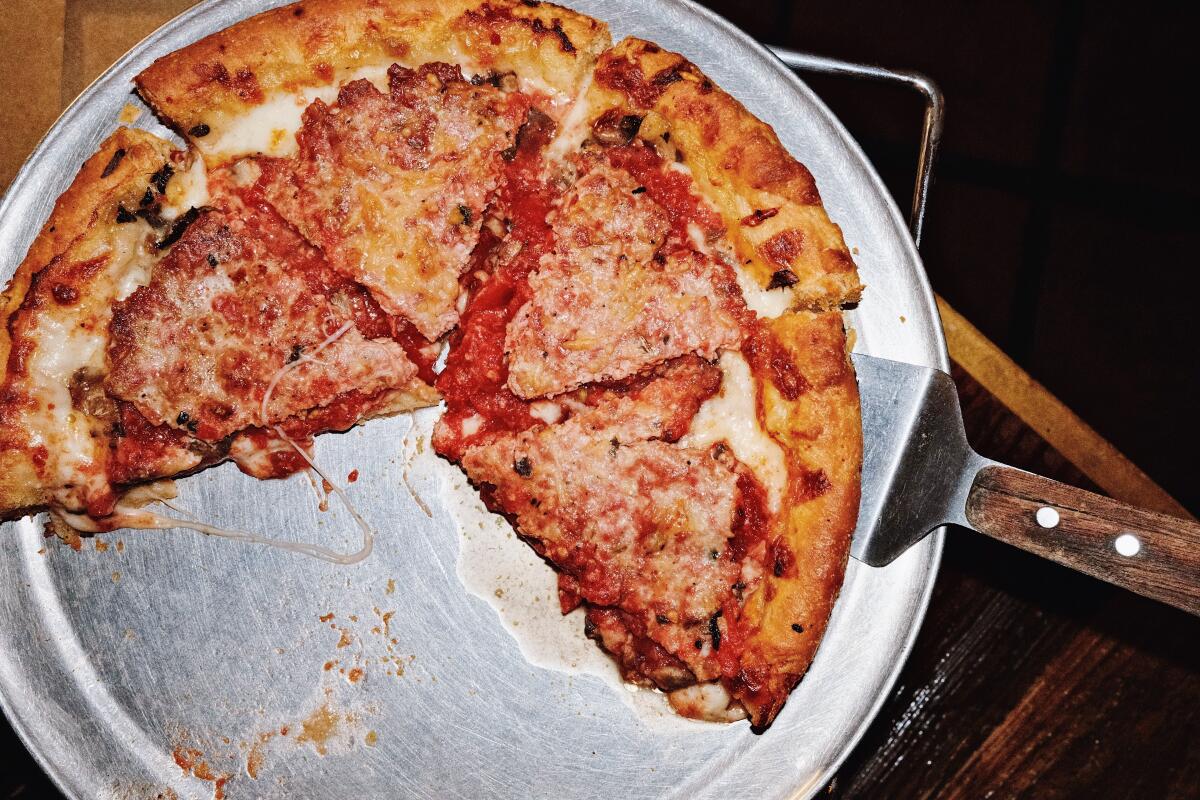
367,531
286,368
138,518
303,358
141,519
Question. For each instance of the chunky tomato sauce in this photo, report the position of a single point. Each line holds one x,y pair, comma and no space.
140,444
670,188
342,413
474,381
750,528
751,535
642,659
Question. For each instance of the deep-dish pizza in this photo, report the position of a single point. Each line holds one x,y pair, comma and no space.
636,289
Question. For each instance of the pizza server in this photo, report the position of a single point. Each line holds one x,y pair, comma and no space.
919,473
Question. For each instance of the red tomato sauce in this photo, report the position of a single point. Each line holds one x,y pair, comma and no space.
626,76
750,526
750,531
670,188
140,445
770,360
345,411
341,414
474,381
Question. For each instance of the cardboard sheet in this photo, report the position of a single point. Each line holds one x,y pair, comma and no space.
50,50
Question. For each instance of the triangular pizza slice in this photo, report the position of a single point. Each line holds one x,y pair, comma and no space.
162,323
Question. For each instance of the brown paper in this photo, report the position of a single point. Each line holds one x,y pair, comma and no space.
50,50
31,48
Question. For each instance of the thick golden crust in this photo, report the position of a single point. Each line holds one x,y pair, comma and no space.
81,222
769,201
821,433
305,46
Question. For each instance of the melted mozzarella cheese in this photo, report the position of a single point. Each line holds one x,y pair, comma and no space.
72,340
187,189
131,261
731,417
696,236
63,348
574,129
270,127
545,410
707,701
767,303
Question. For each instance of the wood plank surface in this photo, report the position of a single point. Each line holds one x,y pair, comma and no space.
1029,680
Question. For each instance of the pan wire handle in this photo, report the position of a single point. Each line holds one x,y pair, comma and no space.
931,131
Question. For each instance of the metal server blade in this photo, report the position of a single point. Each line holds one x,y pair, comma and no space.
917,465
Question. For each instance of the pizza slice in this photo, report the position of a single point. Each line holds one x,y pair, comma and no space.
220,342
659,423
393,186
379,130
163,322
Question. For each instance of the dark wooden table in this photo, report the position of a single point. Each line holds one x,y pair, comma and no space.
1027,680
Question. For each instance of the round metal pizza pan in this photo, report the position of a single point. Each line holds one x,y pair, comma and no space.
167,661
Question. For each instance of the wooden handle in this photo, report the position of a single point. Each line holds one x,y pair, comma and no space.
1143,551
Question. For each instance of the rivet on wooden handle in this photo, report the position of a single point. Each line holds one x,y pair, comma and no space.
1146,552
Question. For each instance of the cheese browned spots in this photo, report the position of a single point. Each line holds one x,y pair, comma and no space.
636,522
392,187
607,214
238,298
608,302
